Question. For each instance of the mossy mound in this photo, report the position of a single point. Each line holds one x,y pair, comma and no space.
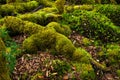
111,11
85,71
93,25
4,74
81,55
6,10
49,39
13,8
63,29
40,17
16,25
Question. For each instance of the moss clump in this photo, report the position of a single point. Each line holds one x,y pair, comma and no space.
4,74
60,5
113,10
16,25
93,25
49,39
63,29
63,45
81,55
85,71
113,53
40,17
6,10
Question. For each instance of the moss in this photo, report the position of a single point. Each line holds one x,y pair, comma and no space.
60,5
78,7
85,71
118,73
6,10
49,10
30,5
87,1
81,55
4,74
40,17
63,29
49,39
64,45
113,10
112,53
86,42
36,76
16,25
41,41
93,25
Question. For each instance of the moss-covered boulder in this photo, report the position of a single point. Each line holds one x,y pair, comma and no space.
49,39
111,11
40,17
93,25
63,29
16,25
6,10
4,74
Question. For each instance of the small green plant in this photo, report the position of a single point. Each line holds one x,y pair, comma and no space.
12,49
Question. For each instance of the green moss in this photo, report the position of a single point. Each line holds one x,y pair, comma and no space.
41,41
16,25
6,10
4,74
93,25
78,7
36,76
49,39
113,53
40,17
87,1
86,71
86,42
60,5
81,55
113,10
118,73
63,29
64,45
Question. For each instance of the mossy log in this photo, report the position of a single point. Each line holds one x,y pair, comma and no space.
4,74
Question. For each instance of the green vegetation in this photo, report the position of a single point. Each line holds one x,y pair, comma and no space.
93,25
76,39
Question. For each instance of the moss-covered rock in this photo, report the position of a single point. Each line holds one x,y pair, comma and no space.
63,29
49,39
93,25
113,10
6,10
4,74
40,17
78,7
81,55
16,25
60,5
